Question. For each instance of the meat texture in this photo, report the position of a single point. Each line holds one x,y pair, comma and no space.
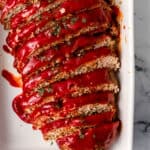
66,52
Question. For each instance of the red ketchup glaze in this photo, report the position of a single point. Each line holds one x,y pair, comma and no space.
70,104
74,142
65,88
19,37
102,97
31,100
77,103
61,54
72,6
34,81
66,6
76,62
2,4
29,12
24,33
13,37
20,17
7,49
19,110
92,17
91,79
93,120
102,136
68,66
31,45
15,81
33,63
116,11
27,35
10,4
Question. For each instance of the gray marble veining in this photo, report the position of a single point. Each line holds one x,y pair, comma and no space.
142,75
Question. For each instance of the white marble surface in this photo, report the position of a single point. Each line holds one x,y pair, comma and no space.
142,75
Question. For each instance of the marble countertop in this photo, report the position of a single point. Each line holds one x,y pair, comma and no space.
142,75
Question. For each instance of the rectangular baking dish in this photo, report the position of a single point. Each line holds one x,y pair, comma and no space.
16,135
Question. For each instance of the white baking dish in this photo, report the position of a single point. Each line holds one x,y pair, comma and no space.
16,135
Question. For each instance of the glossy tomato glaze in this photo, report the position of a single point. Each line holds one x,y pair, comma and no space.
15,81
71,104
68,66
67,7
29,34
68,86
63,88
102,136
93,18
64,52
79,122
46,37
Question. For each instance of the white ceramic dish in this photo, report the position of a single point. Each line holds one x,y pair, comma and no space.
16,135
